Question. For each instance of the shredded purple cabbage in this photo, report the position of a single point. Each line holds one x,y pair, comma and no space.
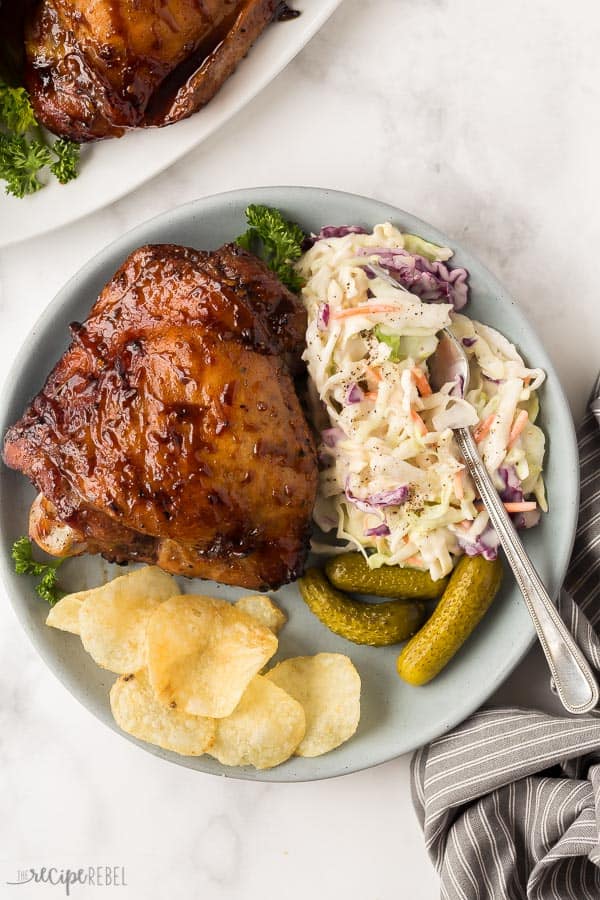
486,544
469,341
379,531
512,491
394,497
323,317
355,394
331,231
331,436
363,505
431,281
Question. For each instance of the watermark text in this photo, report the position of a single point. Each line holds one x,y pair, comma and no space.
92,876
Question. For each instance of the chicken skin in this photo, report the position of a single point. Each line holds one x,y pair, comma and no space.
98,67
170,431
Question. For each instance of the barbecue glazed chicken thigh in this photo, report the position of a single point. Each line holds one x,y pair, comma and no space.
170,431
98,67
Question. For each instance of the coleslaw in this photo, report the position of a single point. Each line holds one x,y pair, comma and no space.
392,480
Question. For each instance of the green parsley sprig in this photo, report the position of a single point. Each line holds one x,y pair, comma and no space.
64,168
24,152
276,241
47,588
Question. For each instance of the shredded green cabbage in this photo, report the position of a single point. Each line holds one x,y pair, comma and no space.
394,483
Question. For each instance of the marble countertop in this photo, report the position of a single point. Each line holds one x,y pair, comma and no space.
483,119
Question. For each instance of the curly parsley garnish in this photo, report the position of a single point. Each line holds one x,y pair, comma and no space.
47,588
15,109
67,158
24,152
276,241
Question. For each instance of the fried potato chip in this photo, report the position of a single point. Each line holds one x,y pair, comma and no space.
203,652
137,711
113,618
264,729
65,614
264,610
328,687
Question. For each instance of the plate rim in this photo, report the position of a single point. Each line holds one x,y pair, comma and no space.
248,195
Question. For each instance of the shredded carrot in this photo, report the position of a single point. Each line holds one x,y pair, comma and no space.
405,539
371,395
483,429
518,426
459,489
367,309
419,423
374,373
421,382
465,524
527,380
415,561
523,506
513,507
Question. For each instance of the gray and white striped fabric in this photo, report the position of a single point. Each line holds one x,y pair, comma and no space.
509,801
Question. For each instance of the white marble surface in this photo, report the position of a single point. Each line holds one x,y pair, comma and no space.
481,118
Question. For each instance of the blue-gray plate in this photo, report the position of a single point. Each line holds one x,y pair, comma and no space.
395,717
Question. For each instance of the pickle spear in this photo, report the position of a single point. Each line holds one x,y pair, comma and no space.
473,585
376,624
350,572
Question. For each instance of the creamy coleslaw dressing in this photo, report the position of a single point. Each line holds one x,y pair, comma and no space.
393,483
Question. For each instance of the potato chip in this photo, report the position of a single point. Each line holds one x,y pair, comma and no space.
328,687
137,711
113,618
264,729
65,614
264,610
203,652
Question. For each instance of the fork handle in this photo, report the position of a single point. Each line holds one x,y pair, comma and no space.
573,677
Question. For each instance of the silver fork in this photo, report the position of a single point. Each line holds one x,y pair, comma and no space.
573,677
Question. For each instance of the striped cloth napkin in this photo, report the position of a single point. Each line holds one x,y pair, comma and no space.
509,801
